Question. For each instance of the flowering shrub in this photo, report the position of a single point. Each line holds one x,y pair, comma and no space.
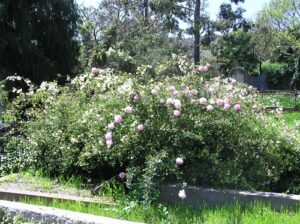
180,130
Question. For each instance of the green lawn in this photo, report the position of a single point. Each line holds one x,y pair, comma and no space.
161,214
292,119
256,213
279,100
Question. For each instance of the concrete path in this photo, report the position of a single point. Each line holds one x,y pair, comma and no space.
213,197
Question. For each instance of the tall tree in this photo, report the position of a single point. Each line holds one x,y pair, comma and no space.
231,20
197,20
235,49
201,24
38,38
283,17
263,40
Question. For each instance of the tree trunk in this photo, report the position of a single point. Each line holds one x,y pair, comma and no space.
146,12
196,47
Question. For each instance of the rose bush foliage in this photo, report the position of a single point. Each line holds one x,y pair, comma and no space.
183,129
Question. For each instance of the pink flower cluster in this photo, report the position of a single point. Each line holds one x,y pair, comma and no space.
118,119
128,110
136,98
108,138
95,71
186,90
179,161
122,175
204,68
225,103
140,127
177,105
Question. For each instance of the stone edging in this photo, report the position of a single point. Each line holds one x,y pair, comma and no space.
16,195
47,215
213,197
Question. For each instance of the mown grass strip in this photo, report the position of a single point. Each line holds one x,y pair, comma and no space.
254,213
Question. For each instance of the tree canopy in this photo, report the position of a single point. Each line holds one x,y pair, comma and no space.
38,38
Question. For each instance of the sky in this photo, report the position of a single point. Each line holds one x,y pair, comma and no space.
252,6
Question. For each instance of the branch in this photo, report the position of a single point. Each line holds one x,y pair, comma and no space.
297,11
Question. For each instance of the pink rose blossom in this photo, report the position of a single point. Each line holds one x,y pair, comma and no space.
203,101
182,194
95,71
176,113
177,104
171,88
154,92
233,81
187,92
176,93
140,127
227,100
108,136
109,143
185,88
220,102
203,68
227,106
111,126
122,175
118,119
237,107
179,161
128,110
136,98
209,108
169,101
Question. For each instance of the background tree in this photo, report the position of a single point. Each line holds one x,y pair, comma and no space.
283,17
231,20
147,30
233,46
235,49
263,40
38,38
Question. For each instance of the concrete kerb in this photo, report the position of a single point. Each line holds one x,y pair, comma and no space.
49,215
215,197
18,195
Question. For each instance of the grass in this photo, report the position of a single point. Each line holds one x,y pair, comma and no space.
255,213
7,118
279,100
34,181
292,119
